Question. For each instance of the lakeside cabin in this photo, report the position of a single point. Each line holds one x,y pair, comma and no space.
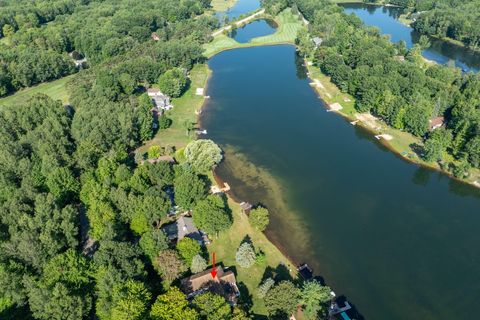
184,227
224,284
160,101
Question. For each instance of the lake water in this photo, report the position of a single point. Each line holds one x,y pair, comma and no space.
257,28
401,242
385,18
240,7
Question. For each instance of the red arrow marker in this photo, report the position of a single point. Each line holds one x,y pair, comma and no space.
214,269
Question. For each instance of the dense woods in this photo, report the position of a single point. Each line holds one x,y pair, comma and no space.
454,19
394,83
37,36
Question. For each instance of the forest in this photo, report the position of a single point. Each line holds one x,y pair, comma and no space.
81,213
395,84
453,19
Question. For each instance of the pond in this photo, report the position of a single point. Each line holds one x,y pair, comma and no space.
386,19
255,29
398,240
241,7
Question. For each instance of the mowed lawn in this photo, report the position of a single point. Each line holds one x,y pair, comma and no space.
55,89
288,26
184,109
225,248
222,5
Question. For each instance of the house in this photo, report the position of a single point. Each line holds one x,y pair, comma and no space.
223,284
160,101
155,36
181,228
435,123
169,159
79,60
317,42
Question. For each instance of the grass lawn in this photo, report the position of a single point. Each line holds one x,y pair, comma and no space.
183,110
55,89
227,244
288,26
222,5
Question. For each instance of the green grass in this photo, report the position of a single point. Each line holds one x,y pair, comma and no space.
288,26
222,5
227,244
184,109
55,89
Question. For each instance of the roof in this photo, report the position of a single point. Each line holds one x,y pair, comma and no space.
224,283
182,228
245,206
162,159
318,41
436,122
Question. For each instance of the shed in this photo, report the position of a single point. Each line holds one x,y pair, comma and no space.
155,36
246,207
317,41
435,123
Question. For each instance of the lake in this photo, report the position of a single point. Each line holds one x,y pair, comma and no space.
255,29
398,240
240,7
385,19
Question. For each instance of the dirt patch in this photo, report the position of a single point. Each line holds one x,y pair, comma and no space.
368,120
335,106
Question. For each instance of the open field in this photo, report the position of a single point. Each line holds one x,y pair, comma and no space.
288,26
227,244
183,110
222,5
55,89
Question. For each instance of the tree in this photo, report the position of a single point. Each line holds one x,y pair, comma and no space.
172,305
173,82
239,314
153,242
266,285
8,31
198,264
164,122
282,299
313,298
211,216
169,266
188,248
189,188
245,255
154,152
259,218
203,155
212,306
130,301
437,143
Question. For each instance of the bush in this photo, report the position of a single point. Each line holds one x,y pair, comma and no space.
245,255
188,248
164,122
198,264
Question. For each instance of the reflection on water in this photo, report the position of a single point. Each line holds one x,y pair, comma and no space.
386,19
241,7
397,243
255,29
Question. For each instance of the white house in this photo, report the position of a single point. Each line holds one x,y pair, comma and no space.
160,100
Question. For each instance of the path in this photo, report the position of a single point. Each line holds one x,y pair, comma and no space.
239,23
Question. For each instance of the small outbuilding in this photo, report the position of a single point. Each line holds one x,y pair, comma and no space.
435,123
317,41
246,207
155,36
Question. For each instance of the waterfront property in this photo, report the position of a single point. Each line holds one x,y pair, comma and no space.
184,227
160,101
224,284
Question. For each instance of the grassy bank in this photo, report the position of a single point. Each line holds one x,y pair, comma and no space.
222,5
288,26
226,246
401,142
184,110
55,89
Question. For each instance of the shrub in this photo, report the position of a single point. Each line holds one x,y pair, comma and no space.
259,218
198,264
266,285
245,255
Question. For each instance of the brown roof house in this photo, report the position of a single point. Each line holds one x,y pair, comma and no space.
181,228
155,36
435,123
223,284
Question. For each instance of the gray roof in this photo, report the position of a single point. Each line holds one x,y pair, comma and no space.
182,228
317,41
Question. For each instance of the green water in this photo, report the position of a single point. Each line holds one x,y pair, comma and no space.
401,242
